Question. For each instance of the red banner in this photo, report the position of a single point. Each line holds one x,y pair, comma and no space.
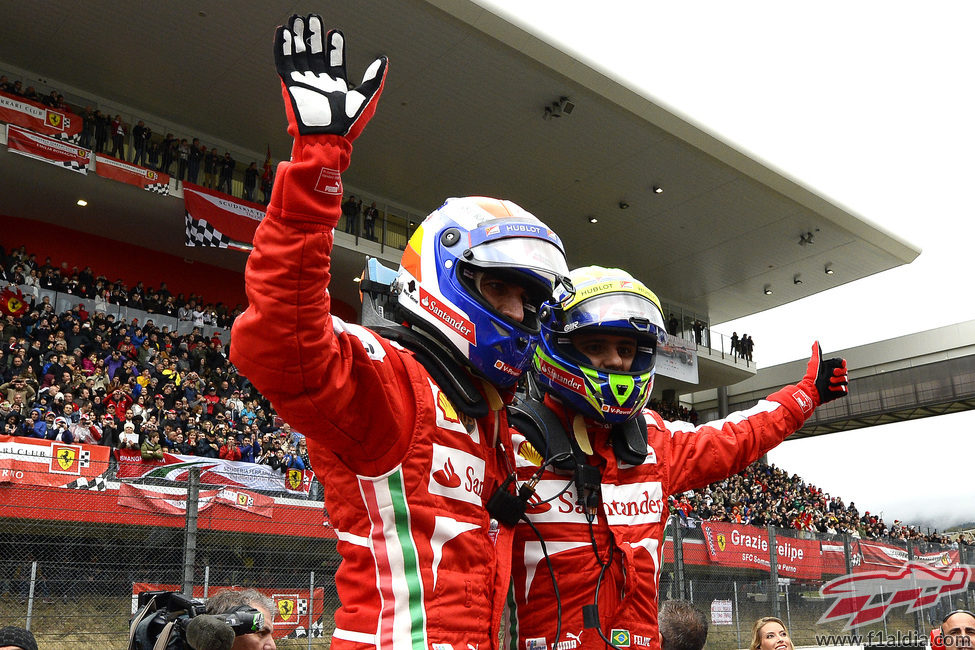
160,500
119,170
39,118
214,471
216,219
291,607
49,150
32,461
747,547
875,555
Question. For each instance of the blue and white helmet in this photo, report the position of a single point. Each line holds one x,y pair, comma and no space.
437,279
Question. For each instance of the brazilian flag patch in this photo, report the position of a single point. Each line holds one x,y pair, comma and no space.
620,638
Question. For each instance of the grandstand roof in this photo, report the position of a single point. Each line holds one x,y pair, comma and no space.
461,114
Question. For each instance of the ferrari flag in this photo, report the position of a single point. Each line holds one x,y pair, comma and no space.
216,219
49,150
119,170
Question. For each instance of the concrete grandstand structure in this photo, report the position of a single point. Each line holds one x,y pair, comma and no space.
462,113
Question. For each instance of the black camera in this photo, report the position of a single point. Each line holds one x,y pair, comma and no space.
176,622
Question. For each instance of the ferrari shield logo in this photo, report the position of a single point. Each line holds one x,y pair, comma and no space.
722,542
295,479
286,608
54,119
14,305
67,458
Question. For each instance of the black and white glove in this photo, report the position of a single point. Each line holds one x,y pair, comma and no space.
317,94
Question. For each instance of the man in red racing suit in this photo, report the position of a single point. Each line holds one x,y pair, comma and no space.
616,551
406,476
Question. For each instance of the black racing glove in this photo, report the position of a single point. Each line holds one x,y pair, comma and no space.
317,95
825,380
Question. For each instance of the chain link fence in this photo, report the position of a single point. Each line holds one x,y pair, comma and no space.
77,552
74,559
789,570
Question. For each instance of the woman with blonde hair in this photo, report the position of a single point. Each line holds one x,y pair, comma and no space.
769,633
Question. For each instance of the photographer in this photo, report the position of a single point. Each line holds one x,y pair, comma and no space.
229,600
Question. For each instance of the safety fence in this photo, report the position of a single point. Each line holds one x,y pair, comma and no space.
828,589
79,543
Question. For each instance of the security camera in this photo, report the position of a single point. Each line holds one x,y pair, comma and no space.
566,105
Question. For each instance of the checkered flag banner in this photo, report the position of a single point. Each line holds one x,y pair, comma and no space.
97,484
199,232
74,138
158,188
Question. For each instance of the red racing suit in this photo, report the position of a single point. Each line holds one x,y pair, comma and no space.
423,565
631,520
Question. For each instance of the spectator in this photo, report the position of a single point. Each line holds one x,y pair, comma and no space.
211,161
118,132
141,134
350,210
87,127
182,160
193,162
129,439
102,123
230,451
682,626
151,449
369,221
16,638
208,446
226,173
167,150
250,181
769,633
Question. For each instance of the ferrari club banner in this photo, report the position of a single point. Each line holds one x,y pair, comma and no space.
747,547
154,499
219,220
214,471
295,610
44,462
119,170
49,150
39,118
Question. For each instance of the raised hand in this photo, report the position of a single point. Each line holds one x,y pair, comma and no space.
825,379
318,97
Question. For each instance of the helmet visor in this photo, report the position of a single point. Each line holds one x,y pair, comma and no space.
630,313
539,256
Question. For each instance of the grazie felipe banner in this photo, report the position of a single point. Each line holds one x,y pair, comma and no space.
219,220
214,471
49,150
150,499
747,547
119,170
44,462
39,118
291,607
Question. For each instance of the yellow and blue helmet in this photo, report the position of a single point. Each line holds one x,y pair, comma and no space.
608,301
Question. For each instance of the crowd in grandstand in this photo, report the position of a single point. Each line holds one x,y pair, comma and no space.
89,377
765,494
80,376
